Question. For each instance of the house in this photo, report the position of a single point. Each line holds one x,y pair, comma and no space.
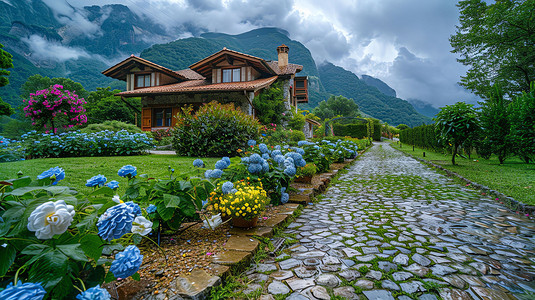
225,76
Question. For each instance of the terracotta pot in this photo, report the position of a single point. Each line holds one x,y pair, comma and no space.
242,223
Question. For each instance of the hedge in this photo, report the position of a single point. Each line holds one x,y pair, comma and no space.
358,131
422,136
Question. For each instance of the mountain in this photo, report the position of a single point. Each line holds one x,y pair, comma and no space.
423,107
379,84
78,46
395,111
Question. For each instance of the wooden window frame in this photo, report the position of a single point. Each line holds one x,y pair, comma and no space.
137,75
155,110
231,74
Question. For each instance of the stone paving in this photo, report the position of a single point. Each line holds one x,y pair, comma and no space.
393,228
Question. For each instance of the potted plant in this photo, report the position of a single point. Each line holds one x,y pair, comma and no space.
305,174
242,201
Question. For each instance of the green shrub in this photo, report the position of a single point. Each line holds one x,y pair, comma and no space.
214,130
422,136
282,136
111,126
297,121
309,169
270,106
358,131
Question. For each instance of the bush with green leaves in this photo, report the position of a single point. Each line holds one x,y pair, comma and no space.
297,120
522,120
270,105
76,143
111,126
10,150
495,126
214,130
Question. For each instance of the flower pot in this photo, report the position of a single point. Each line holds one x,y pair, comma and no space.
242,223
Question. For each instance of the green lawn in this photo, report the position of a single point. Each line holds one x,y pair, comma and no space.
514,178
79,169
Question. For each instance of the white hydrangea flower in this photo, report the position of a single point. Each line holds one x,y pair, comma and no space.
117,200
50,218
141,226
213,222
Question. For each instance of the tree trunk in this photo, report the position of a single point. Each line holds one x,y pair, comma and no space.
454,154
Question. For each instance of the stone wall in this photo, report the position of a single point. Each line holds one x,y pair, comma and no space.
239,99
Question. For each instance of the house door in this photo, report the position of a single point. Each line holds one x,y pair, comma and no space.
146,116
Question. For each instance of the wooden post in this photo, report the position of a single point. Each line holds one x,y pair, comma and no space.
424,154
413,148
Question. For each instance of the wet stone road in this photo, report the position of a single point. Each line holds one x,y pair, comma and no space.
392,228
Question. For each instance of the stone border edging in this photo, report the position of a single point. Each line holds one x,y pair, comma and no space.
511,203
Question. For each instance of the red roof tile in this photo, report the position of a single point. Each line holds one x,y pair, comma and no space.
288,70
192,86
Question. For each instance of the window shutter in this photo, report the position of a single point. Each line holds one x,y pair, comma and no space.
146,119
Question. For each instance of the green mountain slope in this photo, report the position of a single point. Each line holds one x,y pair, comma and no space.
379,84
339,81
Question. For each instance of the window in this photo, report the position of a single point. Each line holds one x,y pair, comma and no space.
162,117
142,80
231,75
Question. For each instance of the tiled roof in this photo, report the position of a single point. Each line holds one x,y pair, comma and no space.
288,70
190,74
117,71
201,86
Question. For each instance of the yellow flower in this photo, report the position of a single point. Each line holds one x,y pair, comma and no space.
237,214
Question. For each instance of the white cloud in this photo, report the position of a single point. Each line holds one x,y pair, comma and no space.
44,49
74,19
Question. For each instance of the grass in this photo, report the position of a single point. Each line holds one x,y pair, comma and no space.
514,178
79,169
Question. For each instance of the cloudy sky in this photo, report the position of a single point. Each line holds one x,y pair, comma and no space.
404,43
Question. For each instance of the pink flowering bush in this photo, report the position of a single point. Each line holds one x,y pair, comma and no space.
54,107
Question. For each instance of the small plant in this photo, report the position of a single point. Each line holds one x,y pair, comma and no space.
244,199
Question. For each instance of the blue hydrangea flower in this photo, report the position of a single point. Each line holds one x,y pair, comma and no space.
265,156
114,184
278,147
26,291
279,159
254,168
222,163
288,162
226,159
198,163
251,143
275,153
245,160
265,166
215,173
284,196
255,159
127,262
227,187
116,221
290,171
58,172
136,210
233,191
207,173
94,293
150,209
300,163
97,180
127,171
263,148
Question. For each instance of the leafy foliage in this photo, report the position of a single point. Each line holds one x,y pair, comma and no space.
336,106
111,126
454,124
421,136
6,62
522,121
495,126
497,42
38,82
270,105
214,130
102,106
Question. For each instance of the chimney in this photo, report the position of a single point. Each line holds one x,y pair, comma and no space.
282,50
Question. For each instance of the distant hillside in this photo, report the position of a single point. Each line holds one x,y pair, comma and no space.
379,84
338,81
423,107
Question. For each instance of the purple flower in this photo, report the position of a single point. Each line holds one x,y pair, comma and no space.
57,172
94,293
97,180
127,262
127,171
117,220
26,291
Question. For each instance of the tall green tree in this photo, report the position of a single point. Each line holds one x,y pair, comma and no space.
522,120
102,106
38,82
454,124
6,62
336,106
497,42
495,125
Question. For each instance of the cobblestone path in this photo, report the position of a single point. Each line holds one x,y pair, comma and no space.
392,228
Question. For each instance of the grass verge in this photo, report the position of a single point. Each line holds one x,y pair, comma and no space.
514,178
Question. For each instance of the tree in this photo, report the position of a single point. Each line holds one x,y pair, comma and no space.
38,82
270,105
6,62
497,42
454,124
53,107
495,125
336,106
522,120
102,106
